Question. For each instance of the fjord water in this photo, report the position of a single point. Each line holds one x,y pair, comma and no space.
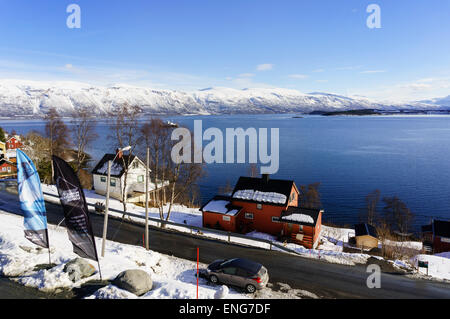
404,156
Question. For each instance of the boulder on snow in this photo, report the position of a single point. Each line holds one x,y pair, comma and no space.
135,281
78,269
221,293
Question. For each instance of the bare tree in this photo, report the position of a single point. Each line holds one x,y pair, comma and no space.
311,196
156,137
372,200
83,132
173,181
182,177
57,133
37,148
227,189
397,214
126,132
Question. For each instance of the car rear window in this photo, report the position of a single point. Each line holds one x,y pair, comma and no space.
262,271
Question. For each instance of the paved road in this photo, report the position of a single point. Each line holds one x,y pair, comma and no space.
324,279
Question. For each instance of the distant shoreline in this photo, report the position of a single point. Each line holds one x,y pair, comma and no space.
296,115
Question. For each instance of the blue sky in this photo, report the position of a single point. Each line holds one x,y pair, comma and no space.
192,44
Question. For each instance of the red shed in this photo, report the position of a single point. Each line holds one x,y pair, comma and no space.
220,213
437,236
302,225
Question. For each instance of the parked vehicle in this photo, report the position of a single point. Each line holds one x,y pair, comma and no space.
238,272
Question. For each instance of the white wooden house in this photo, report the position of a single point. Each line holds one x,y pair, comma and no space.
135,180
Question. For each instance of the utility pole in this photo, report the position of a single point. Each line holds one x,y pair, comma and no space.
105,221
108,182
146,197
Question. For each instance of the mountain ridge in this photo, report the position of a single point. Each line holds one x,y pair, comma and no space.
34,98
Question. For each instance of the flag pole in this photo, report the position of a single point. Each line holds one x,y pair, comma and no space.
99,270
146,197
48,243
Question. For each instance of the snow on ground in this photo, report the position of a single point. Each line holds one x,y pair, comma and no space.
416,245
172,277
180,214
333,239
438,265
330,251
327,251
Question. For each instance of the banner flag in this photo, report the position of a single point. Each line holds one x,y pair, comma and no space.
31,201
75,208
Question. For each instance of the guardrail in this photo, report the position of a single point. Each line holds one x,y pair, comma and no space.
204,230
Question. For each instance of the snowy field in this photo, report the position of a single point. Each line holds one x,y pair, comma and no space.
173,278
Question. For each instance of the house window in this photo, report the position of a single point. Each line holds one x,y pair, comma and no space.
136,164
249,215
275,219
259,206
226,218
140,178
103,179
113,182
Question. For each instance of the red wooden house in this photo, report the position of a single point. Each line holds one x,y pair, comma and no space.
7,167
437,236
265,205
13,143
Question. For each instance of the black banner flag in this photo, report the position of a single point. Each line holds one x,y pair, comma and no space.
76,212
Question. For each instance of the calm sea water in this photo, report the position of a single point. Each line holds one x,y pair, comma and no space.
408,157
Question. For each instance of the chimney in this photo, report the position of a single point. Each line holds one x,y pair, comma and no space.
265,178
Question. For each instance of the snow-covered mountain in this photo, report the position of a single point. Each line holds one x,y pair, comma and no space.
29,98
443,102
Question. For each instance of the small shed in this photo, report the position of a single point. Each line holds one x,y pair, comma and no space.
366,236
219,213
437,236
302,225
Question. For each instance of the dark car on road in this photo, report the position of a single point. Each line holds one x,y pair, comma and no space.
238,272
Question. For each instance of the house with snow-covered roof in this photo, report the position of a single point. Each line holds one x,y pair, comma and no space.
264,205
135,189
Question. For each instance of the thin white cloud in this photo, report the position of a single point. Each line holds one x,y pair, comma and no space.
246,75
264,67
421,89
298,76
318,70
372,71
347,68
